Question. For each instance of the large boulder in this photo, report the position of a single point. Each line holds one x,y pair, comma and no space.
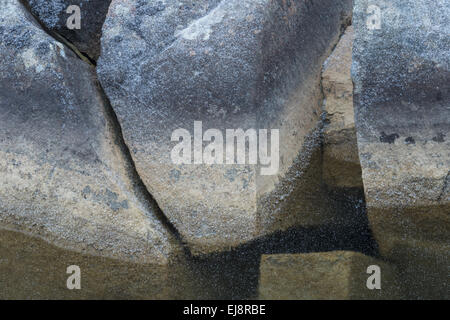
55,15
64,173
401,72
235,64
341,167
326,275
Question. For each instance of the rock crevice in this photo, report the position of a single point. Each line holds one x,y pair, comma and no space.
57,128
139,189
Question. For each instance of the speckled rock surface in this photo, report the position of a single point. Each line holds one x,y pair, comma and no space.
341,167
53,15
230,64
332,275
64,177
402,104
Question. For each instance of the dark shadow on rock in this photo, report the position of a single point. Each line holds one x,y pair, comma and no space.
234,274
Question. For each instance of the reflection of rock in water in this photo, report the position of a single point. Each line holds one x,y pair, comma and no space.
234,274
32,268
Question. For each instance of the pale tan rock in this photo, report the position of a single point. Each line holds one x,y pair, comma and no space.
341,167
324,275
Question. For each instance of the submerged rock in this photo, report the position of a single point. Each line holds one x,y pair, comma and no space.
326,275
222,65
402,104
31,268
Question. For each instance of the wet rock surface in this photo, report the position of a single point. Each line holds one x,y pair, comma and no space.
205,63
31,268
79,176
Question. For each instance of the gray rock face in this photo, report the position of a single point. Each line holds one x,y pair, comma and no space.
63,175
401,72
54,16
251,64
